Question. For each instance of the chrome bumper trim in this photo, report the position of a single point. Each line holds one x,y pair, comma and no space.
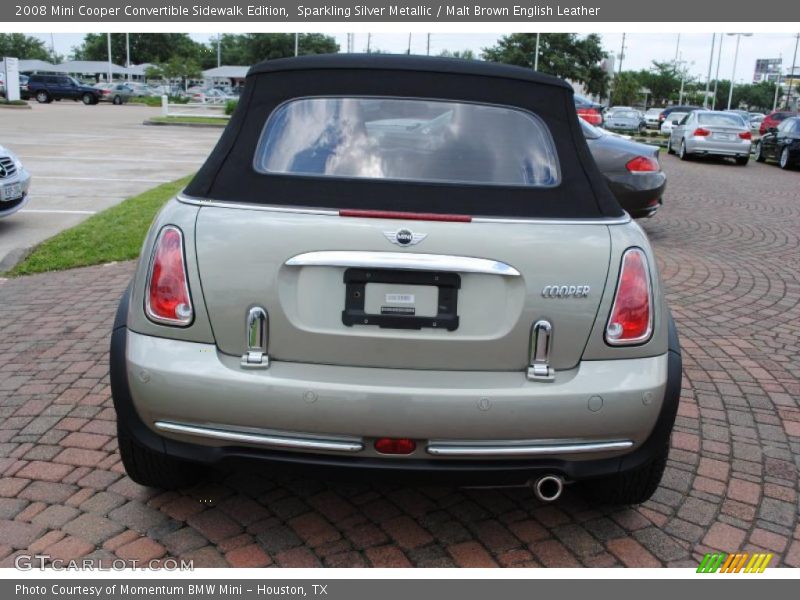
402,260
272,441
453,449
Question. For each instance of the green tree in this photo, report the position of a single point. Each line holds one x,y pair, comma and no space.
465,54
23,46
565,55
176,68
663,80
251,48
144,48
625,89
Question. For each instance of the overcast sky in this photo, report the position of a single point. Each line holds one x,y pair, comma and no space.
640,48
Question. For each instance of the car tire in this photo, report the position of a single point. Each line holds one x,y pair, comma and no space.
117,100
759,154
683,154
669,147
87,99
153,469
742,160
784,161
43,97
630,487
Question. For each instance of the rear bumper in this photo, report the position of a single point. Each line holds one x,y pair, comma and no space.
701,146
641,195
178,397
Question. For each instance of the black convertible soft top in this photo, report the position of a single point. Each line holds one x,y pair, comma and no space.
228,174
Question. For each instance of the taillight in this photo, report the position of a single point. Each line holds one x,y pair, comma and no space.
642,164
395,445
701,132
631,319
746,135
167,298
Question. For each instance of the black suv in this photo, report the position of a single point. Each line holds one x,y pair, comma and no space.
46,88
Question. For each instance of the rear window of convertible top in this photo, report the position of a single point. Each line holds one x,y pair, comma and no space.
408,139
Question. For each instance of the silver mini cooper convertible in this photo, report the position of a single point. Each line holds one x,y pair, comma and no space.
399,265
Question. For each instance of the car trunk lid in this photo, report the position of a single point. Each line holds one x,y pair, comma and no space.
400,293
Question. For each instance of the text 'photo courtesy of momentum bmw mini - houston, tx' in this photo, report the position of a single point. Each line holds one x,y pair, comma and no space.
401,206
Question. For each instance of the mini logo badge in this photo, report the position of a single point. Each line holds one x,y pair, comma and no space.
404,237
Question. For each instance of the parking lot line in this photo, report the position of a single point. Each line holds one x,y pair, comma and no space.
137,159
135,179
58,212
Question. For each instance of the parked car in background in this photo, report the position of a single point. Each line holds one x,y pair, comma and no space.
745,114
631,169
116,93
674,119
773,119
14,183
589,111
755,122
684,108
141,89
651,118
46,88
781,144
711,133
210,96
629,120
463,286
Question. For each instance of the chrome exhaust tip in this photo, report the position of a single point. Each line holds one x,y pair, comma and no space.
548,488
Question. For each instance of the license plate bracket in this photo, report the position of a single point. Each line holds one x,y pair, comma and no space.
356,280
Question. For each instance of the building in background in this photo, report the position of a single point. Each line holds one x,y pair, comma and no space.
767,69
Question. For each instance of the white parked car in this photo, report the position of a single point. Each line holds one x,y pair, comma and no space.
651,117
669,122
14,183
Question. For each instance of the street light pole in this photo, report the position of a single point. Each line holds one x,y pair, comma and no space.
792,80
716,77
621,54
735,58
677,47
219,50
710,64
108,39
536,56
297,43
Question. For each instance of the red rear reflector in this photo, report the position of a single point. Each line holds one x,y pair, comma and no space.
642,164
631,320
167,298
746,135
411,216
395,445
700,132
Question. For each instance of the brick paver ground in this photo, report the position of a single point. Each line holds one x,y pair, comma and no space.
728,242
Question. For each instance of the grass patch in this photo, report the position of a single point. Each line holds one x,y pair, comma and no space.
114,234
219,122
13,102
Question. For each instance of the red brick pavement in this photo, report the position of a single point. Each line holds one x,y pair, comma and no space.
728,242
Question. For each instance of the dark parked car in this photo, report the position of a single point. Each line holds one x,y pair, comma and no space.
46,88
684,108
773,119
443,283
589,111
631,170
781,143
